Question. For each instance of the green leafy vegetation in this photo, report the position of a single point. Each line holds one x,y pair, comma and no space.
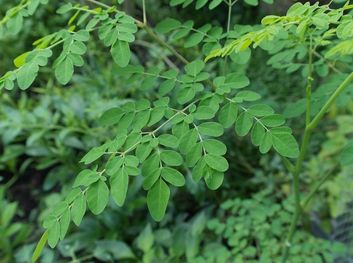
145,131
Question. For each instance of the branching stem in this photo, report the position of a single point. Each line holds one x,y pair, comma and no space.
299,163
99,4
314,123
316,187
149,31
160,41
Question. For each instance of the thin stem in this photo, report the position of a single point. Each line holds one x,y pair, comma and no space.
296,188
144,12
160,41
299,163
308,84
99,3
229,19
199,31
313,124
317,186
255,118
197,130
303,149
288,164
86,10
331,65
230,5
160,76
171,118
165,58
11,181
150,32
200,138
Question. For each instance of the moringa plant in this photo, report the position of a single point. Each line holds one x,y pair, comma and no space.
175,125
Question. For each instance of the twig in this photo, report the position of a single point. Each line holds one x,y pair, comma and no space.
144,12
313,191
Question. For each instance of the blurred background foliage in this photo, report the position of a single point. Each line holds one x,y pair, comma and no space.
47,129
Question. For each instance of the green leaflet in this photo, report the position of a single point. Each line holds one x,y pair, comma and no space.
216,162
97,197
93,154
198,170
157,199
121,53
213,179
168,140
173,176
119,185
54,234
194,68
274,120
171,158
28,66
64,70
193,155
228,114
86,178
247,95
260,110
321,20
151,178
188,140
252,2
285,144
78,48
206,35
156,115
214,147
211,129
78,209
27,75
111,116
117,33
193,40
64,223
257,133
143,151
204,113
39,247
64,8
243,124
73,49
167,25
266,142
146,239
